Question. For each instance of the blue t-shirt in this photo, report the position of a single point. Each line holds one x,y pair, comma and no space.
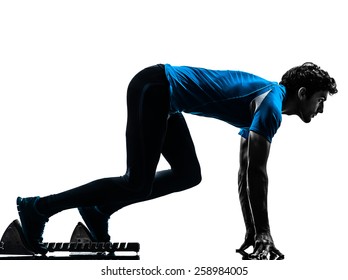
241,99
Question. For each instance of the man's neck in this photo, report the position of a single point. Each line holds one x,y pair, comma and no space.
290,106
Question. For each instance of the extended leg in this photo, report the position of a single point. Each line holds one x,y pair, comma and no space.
148,105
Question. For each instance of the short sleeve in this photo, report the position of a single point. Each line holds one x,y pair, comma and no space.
266,120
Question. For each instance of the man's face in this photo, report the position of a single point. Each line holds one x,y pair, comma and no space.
310,107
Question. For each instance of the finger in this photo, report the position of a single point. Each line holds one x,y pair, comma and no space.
272,255
278,253
246,244
275,254
245,255
258,250
242,249
264,254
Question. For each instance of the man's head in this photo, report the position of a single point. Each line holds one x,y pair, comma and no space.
307,88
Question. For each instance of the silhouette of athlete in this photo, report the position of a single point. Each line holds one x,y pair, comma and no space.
156,98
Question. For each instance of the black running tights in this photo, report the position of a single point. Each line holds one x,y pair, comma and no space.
151,131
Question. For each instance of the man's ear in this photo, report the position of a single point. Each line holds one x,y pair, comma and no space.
301,93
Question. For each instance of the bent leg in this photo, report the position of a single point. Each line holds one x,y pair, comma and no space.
180,153
185,172
148,106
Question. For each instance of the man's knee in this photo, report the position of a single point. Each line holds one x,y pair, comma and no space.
192,177
196,178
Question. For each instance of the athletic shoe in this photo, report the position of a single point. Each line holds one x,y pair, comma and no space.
97,223
33,223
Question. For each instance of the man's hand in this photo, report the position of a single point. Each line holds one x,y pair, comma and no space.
249,241
264,248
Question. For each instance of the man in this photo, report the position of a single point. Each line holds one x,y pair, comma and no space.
306,94
156,98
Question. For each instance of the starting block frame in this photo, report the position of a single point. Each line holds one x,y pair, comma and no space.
81,247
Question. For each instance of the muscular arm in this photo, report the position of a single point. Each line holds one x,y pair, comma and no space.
243,195
257,180
253,189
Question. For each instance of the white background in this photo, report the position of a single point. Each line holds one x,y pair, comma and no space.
64,70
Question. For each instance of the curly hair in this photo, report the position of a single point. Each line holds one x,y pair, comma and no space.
311,77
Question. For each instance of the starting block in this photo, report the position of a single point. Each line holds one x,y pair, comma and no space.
81,247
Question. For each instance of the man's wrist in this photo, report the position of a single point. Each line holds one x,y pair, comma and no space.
262,230
250,231
266,235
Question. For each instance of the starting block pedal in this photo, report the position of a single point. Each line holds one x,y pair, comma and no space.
80,247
